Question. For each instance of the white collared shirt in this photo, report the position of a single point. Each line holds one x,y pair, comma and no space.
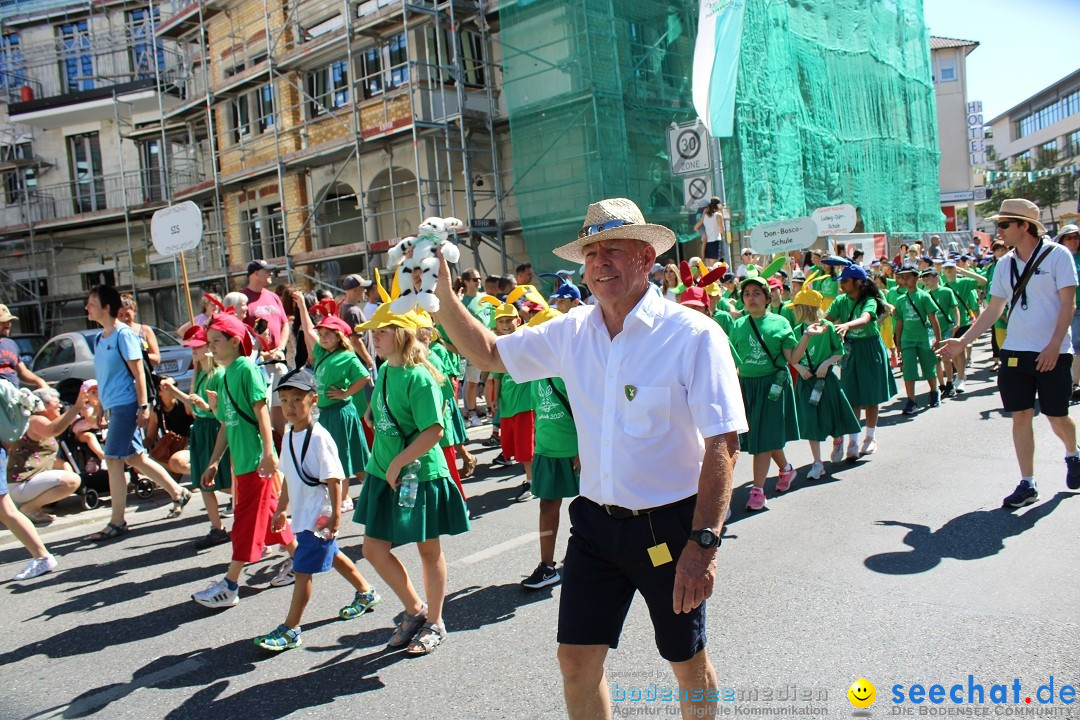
643,402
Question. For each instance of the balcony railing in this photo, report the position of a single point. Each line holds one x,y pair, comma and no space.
92,194
84,62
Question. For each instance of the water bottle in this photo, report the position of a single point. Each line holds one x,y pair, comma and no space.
322,523
409,484
778,385
815,394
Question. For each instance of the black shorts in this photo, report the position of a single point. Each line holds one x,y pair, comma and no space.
607,560
1019,383
713,250
959,332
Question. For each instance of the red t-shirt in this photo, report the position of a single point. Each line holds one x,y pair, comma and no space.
266,305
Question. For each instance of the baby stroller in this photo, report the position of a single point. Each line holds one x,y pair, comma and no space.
93,475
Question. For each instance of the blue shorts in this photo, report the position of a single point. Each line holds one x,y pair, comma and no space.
3,471
607,563
312,554
1076,332
124,438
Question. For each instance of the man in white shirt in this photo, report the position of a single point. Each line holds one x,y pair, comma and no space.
657,406
1036,357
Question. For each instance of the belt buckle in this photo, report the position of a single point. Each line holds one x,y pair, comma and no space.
620,513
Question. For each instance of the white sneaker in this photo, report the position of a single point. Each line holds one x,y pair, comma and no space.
218,595
346,505
285,575
869,446
837,452
36,567
959,385
816,471
852,452
474,421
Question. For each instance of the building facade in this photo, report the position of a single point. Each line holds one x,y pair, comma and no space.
960,141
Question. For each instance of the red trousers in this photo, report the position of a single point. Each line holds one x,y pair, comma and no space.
254,509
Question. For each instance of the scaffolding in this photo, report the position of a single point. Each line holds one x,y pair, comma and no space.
313,134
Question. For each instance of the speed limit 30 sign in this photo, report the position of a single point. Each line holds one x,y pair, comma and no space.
688,148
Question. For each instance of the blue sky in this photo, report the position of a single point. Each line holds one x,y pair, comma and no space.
1025,45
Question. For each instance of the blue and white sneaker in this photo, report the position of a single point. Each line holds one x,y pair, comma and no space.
283,638
1024,494
217,595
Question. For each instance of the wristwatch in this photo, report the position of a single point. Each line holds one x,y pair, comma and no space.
706,537
144,406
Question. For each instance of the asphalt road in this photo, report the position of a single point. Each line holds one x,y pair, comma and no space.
901,569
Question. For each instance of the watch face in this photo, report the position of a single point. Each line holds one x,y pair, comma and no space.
706,538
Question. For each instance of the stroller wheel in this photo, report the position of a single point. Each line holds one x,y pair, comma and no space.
91,499
144,488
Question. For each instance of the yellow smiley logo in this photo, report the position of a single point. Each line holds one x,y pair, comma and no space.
862,693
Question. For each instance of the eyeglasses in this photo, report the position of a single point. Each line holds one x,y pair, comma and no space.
601,227
1006,224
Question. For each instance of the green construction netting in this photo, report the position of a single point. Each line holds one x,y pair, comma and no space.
834,104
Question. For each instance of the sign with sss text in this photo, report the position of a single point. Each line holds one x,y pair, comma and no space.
783,235
834,219
177,228
688,148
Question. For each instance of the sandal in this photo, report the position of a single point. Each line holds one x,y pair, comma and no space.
111,532
178,504
427,639
408,626
40,519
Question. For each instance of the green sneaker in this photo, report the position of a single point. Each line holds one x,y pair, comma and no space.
362,603
283,638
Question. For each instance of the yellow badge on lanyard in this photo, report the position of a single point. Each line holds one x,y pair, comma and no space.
1013,361
659,554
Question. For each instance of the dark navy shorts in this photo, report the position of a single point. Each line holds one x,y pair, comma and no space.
1020,383
312,554
607,562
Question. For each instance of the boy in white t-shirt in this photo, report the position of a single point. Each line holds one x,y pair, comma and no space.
312,470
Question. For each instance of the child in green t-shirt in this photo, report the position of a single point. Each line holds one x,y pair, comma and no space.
407,413
948,314
916,319
517,421
247,433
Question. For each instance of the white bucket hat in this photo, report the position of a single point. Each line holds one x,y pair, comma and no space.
615,218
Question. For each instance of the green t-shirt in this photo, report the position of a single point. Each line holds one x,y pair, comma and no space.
203,385
844,310
513,398
338,369
753,360
1076,260
830,288
556,434
440,357
944,304
242,385
819,348
788,314
1001,322
451,361
914,310
723,319
890,283
415,403
967,295
736,301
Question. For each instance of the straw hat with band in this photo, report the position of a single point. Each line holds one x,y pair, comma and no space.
5,314
615,219
1019,209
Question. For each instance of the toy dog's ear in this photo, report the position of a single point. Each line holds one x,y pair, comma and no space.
378,286
452,224
685,275
711,277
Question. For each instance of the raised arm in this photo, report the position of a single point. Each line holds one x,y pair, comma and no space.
468,334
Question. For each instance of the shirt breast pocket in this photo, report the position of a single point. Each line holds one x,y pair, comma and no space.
648,414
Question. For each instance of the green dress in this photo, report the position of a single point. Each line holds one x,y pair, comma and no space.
204,432
832,416
553,471
772,423
340,369
406,401
865,375
454,432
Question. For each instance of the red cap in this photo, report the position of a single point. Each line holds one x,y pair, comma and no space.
231,326
195,337
333,322
776,283
694,296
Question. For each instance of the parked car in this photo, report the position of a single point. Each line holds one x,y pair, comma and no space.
67,359
29,344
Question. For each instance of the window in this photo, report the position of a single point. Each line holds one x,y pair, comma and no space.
249,221
23,181
144,51
328,88
947,70
276,223
268,244
1046,116
264,103
98,277
76,61
12,72
371,68
152,171
239,118
88,183
398,61
1023,160
472,54
1072,144
385,67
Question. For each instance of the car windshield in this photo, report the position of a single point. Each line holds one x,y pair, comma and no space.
165,339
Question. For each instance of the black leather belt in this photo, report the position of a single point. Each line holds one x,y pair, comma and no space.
621,513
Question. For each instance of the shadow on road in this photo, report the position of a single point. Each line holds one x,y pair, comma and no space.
971,536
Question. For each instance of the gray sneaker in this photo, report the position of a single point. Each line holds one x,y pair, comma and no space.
217,595
284,576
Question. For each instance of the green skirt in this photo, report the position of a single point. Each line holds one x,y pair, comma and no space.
343,423
454,433
831,417
554,478
439,510
865,375
201,442
773,423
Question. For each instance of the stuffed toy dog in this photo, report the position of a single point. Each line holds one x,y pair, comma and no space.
433,233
